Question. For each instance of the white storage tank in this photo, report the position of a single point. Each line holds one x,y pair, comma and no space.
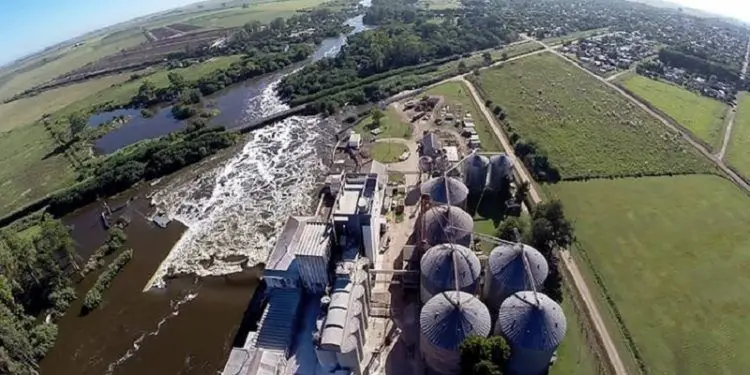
476,168
446,321
534,326
443,224
441,265
506,272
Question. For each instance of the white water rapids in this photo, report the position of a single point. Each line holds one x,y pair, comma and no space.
235,211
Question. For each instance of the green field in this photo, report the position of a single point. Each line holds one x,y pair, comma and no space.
702,115
388,152
391,124
585,128
456,94
574,356
672,253
738,152
262,11
30,170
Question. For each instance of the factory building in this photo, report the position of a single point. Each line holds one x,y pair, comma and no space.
446,321
534,326
447,267
507,272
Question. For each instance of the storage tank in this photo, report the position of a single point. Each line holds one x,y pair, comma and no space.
501,169
425,164
506,272
442,263
476,168
446,321
534,326
447,190
443,224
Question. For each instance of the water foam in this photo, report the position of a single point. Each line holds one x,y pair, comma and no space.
236,210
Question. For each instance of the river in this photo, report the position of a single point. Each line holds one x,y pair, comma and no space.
227,210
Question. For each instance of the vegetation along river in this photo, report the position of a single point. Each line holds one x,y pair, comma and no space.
227,213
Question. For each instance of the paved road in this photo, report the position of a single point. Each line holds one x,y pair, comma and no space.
698,146
578,282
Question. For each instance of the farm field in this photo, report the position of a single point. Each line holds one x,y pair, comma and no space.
388,152
392,125
585,128
263,11
28,110
702,115
456,94
738,152
30,169
672,254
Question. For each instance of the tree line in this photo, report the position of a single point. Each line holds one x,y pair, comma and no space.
694,64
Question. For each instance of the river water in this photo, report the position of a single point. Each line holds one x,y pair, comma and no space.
228,212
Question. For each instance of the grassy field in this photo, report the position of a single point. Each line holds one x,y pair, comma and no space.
440,4
738,152
585,128
391,124
574,356
702,115
264,11
28,110
388,152
672,252
456,94
29,169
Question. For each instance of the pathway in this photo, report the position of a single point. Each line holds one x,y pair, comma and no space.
727,132
620,74
578,282
739,181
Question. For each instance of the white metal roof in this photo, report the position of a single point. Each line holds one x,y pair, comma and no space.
314,239
451,153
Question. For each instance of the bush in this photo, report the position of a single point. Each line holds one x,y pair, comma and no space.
43,338
94,296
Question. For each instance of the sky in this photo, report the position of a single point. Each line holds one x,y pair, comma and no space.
27,26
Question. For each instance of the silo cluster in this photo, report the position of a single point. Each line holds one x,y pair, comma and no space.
446,190
447,267
500,171
507,272
476,168
446,224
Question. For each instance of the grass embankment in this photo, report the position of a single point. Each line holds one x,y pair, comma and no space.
95,295
584,128
388,152
456,95
671,252
702,115
738,152
391,125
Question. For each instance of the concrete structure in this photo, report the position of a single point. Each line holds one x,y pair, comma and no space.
534,326
476,169
446,190
501,170
445,224
506,273
446,321
430,145
300,257
447,267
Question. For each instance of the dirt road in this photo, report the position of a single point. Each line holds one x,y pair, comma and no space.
727,133
578,282
706,152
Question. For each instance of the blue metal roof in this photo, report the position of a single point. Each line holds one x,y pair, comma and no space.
449,318
442,263
532,322
446,190
508,270
443,224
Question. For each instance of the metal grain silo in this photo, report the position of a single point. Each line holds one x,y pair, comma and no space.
506,272
446,321
447,190
501,169
534,326
476,168
443,224
442,264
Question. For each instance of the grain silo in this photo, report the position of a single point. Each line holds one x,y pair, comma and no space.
534,326
446,321
476,168
507,274
447,190
441,265
501,170
443,224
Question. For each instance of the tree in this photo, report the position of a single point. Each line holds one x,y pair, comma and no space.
277,24
522,192
462,67
253,26
484,355
504,56
77,122
559,227
487,57
377,115
506,230
177,81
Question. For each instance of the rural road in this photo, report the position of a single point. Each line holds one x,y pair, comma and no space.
687,137
727,132
578,281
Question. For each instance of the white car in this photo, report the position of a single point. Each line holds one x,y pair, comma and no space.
404,156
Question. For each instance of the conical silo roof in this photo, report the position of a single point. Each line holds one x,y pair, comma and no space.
447,190
476,168
443,224
442,264
508,275
446,321
531,321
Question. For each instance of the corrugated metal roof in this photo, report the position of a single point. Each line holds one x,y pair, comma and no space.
314,239
447,190
276,326
281,256
443,224
532,322
430,143
442,263
508,270
449,318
